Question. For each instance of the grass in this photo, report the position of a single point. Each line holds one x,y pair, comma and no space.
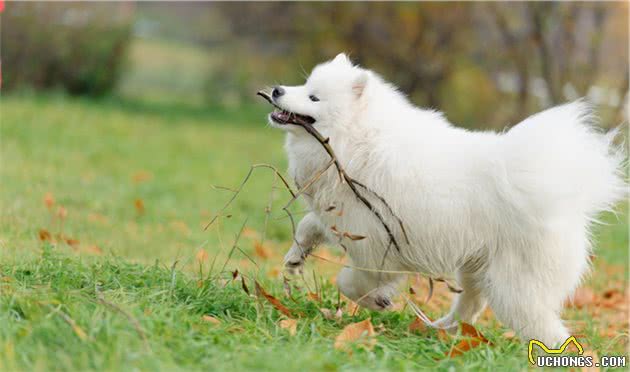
97,159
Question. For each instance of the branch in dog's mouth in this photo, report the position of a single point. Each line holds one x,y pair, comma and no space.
282,116
345,178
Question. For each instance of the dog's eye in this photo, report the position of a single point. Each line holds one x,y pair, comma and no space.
313,98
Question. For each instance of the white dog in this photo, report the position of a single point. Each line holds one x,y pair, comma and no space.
507,213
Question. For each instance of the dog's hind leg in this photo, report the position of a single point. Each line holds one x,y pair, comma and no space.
528,284
467,305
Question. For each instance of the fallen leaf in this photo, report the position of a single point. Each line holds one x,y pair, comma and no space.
97,218
417,326
250,233
44,235
62,212
470,331
49,200
274,273
272,300
463,346
473,338
261,251
509,335
139,204
312,296
181,227
142,176
211,319
290,325
201,256
71,242
94,249
361,334
583,296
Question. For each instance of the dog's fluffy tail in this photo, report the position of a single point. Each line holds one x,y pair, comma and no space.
562,165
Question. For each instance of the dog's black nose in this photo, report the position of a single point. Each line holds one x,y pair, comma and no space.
277,92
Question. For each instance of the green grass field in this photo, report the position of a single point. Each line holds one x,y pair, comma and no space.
120,190
114,300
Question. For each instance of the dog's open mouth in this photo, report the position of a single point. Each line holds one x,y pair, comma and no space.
282,116
286,117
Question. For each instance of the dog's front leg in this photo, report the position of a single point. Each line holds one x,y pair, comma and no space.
310,232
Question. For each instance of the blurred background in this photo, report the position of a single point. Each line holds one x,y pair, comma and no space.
484,64
125,114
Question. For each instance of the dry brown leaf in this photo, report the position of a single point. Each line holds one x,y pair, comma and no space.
463,346
290,325
44,235
509,335
272,300
274,273
97,218
417,326
442,335
361,334
62,212
261,251
583,296
210,319
142,176
49,200
139,204
94,249
473,339
470,331
71,242
201,256
181,227
250,233
312,296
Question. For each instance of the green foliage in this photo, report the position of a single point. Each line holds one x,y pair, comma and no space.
77,47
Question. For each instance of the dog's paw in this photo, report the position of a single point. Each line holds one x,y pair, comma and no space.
294,262
382,303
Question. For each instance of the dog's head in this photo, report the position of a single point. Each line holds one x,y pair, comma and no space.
328,97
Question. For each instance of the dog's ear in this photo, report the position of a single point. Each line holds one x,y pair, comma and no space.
341,57
358,86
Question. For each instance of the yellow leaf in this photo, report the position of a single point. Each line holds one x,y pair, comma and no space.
49,200
417,326
290,325
361,333
139,204
202,256
261,251
210,319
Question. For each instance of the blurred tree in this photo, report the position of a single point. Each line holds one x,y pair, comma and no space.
79,47
564,44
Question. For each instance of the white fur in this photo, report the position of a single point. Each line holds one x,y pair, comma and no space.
507,213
